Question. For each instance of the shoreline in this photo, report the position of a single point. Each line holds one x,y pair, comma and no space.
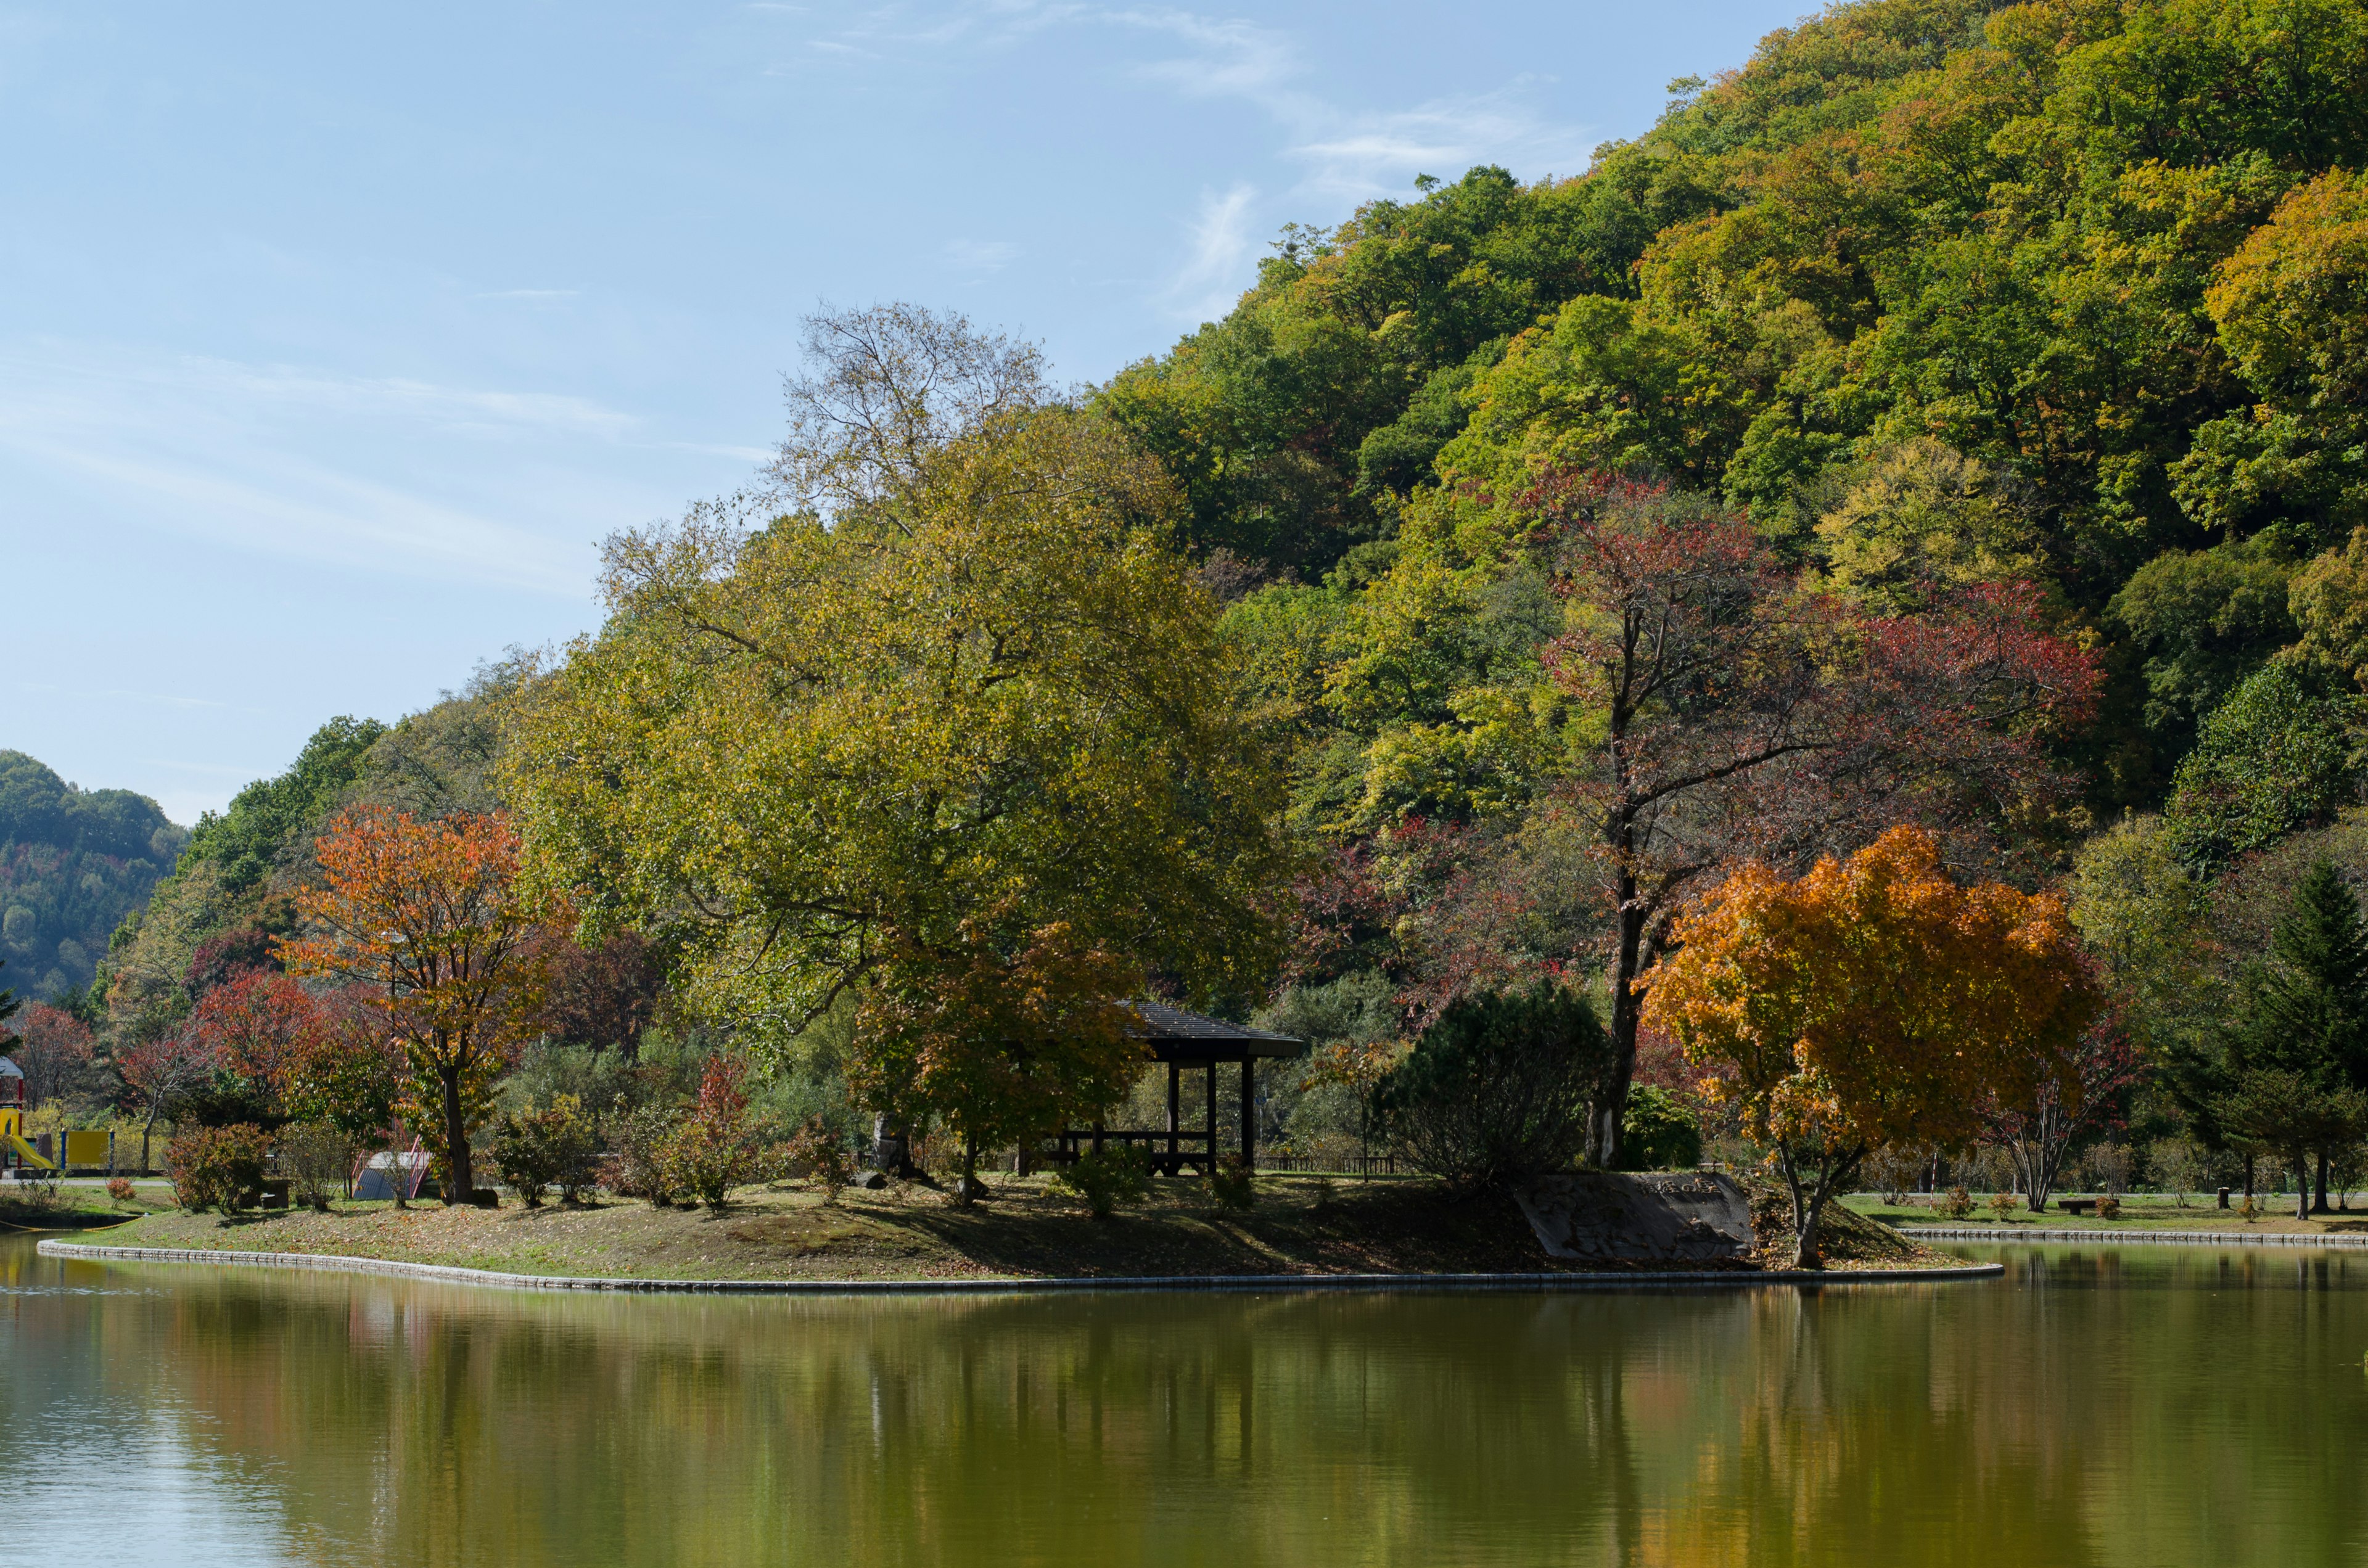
483,1278
1997,1236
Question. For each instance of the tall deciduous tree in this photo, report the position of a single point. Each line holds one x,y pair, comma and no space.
1739,715
954,671
433,911
159,1070
1871,1003
2077,1091
54,1050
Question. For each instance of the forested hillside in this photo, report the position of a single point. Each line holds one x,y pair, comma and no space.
2067,290
73,864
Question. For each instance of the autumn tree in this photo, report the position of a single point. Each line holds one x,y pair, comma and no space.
260,1026
950,670
1737,713
2077,1091
1871,1003
1005,1035
159,1070
432,910
54,1050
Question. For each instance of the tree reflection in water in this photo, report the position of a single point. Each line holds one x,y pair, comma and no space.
2095,1408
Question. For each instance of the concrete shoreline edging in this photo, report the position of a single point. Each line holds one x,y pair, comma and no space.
453,1274
1997,1237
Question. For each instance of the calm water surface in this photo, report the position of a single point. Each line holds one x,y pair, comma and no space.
2152,1406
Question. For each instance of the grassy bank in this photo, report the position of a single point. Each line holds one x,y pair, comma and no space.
2140,1211
1300,1225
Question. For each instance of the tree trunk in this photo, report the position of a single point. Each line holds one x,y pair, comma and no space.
461,1180
968,1192
2248,1176
1603,1133
2318,1201
147,1127
2302,1185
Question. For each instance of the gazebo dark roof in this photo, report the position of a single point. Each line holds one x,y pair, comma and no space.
1176,1034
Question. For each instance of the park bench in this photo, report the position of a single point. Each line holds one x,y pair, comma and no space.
2077,1205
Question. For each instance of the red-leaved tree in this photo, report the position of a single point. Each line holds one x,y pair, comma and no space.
1746,715
54,1050
2077,1096
260,1024
159,1070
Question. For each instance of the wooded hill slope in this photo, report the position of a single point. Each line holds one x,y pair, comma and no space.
1934,289
73,864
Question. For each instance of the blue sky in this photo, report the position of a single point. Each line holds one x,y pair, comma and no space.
334,338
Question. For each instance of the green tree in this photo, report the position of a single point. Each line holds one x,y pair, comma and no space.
955,670
2306,1028
2272,758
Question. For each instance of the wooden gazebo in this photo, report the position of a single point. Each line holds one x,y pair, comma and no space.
1181,1040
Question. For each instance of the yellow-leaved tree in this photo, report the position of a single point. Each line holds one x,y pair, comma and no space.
1871,1002
946,689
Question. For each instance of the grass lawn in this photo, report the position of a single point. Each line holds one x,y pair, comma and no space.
1301,1225
2140,1211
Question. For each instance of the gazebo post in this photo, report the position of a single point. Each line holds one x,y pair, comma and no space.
1211,1168
1249,1112
1174,1111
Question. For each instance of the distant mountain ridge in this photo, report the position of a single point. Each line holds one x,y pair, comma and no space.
73,862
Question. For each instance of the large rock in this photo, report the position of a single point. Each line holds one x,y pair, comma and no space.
1610,1217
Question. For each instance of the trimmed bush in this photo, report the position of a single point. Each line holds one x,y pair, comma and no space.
217,1167
538,1149
315,1158
1658,1131
715,1149
1230,1185
1497,1089
820,1153
633,1169
1118,1172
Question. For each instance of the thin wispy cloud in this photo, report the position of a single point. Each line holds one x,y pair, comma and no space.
1343,154
981,256
242,456
1204,286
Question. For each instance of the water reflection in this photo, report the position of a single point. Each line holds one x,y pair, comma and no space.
2095,1408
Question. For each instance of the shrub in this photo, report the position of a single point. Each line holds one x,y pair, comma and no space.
120,1188
1230,1185
1955,1204
713,1150
538,1149
315,1158
637,1135
2109,1208
817,1150
1116,1173
217,1167
2002,1204
1658,1131
1497,1090
1893,1170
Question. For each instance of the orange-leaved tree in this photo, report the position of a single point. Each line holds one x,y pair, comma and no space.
1005,1035
431,910
1871,1002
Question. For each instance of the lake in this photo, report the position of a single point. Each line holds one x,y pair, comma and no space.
2147,1406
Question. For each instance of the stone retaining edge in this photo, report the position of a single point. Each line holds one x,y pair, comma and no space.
1997,1236
1729,1278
